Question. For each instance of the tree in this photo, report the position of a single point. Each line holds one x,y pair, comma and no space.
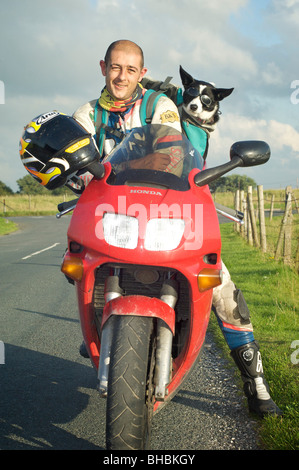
5,190
232,183
28,185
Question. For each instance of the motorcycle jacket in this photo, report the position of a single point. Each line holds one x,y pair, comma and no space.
117,125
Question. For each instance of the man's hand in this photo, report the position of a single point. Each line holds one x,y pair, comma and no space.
152,161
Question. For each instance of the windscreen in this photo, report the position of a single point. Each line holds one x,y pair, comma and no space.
163,153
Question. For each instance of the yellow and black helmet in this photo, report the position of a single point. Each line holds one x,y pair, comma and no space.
55,146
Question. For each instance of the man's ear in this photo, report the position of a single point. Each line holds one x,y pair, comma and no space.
142,73
103,67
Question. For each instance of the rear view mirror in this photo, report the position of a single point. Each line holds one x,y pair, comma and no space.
251,152
245,153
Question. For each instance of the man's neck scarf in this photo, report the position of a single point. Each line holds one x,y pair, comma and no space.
107,101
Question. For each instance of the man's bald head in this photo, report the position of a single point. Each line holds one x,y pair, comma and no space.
126,46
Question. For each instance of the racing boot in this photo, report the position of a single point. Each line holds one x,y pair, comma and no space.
83,351
248,359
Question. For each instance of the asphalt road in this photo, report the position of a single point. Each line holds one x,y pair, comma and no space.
48,398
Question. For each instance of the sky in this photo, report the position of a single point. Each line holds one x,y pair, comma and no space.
50,52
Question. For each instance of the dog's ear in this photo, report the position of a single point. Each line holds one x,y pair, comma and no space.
221,93
185,77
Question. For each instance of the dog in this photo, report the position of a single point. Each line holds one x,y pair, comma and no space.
201,101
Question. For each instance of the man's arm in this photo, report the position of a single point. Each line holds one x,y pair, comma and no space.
85,116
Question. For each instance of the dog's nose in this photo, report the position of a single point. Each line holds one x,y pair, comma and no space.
193,107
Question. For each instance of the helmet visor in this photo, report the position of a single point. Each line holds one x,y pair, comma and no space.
47,136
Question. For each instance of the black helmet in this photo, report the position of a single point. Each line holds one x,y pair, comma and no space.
54,146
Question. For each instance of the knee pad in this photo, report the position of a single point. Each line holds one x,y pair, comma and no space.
231,306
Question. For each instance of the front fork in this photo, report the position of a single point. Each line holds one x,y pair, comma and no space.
162,376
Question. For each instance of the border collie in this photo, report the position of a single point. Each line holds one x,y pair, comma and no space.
201,101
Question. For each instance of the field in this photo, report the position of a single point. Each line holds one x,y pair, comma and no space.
16,204
273,226
227,199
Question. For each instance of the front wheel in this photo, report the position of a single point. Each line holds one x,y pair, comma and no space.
129,384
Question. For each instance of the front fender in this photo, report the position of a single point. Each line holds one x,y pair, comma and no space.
142,306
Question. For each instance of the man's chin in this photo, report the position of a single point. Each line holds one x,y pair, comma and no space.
119,94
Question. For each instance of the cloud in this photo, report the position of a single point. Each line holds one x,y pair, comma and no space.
277,134
283,139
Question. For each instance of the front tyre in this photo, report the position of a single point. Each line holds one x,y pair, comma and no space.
128,413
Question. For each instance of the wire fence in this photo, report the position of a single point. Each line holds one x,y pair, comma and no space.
279,236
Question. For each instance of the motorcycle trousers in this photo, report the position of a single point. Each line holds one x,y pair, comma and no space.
233,317
232,312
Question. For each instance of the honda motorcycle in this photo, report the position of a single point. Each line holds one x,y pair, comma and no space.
144,253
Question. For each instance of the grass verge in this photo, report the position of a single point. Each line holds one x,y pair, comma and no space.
7,226
271,290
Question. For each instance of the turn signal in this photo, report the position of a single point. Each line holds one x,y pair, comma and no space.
73,268
209,278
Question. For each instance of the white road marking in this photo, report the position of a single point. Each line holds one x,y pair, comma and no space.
38,252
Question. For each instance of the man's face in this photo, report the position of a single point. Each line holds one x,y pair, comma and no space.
122,73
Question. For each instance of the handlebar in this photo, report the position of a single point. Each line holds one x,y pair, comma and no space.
232,214
65,207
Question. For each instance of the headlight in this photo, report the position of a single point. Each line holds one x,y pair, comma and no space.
163,234
120,230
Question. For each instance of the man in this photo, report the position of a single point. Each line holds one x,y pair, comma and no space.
123,69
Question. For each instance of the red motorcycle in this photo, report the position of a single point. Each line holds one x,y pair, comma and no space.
144,252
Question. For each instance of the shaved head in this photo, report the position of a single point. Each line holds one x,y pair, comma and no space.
126,46
123,68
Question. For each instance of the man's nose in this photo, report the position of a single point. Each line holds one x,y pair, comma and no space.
122,74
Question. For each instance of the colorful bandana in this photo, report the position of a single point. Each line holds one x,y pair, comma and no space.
106,101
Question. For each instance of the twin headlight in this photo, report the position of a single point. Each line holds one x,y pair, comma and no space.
161,234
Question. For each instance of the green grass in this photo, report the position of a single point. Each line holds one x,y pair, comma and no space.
271,290
23,205
7,226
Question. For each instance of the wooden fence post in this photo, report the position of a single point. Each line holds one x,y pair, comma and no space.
283,226
252,216
249,228
263,239
297,258
242,210
237,207
287,248
245,220
272,207
296,203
